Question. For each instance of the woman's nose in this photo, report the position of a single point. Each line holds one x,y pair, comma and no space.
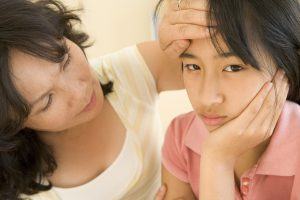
74,89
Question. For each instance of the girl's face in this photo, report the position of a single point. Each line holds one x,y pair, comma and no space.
62,95
221,86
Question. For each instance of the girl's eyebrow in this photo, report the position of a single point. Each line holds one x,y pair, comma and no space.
188,55
223,54
226,54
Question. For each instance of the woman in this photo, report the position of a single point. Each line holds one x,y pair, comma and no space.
222,74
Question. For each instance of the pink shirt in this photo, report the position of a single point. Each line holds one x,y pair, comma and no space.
275,177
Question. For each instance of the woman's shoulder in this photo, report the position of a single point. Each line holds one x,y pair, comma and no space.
129,73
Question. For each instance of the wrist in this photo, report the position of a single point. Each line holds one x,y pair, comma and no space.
221,162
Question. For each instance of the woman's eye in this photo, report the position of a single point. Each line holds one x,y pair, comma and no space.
49,102
233,68
191,67
67,61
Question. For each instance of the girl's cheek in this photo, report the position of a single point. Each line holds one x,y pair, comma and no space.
245,90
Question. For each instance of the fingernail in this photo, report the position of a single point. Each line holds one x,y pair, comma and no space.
161,188
182,44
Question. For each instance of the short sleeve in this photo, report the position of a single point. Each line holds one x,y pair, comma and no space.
129,73
172,156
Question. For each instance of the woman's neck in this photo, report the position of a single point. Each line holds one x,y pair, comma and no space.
77,134
84,152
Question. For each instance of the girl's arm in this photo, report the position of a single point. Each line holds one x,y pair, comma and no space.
216,179
176,189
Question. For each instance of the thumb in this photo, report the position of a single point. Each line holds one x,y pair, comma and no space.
176,48
160,195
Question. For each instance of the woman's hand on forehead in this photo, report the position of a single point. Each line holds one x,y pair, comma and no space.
200,5
183,21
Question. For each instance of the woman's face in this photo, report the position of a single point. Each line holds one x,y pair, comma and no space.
62,95
221,86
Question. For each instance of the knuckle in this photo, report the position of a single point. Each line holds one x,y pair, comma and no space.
269,106
183,30
177,46
254,110
187,4
269,102
240,133
188,16
173,4
281,104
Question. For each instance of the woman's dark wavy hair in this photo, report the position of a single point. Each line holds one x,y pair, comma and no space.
274,25
37,28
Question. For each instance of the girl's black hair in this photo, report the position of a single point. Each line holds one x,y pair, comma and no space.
37,28
271,25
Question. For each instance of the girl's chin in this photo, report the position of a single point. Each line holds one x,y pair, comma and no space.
212,128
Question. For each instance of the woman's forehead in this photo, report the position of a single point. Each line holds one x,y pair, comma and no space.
31,75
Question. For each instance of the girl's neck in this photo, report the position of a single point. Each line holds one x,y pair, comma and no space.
249,159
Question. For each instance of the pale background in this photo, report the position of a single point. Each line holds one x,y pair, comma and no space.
114,24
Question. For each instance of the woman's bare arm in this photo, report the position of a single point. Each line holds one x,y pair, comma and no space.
176,28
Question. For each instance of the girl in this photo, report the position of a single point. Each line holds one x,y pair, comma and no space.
222,74
89,133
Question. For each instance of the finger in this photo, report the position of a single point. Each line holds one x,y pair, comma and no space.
160,195
190,4
176,48
266,114
181,32
189,17
281,94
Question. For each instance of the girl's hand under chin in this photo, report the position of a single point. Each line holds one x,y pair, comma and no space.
253,126
178,27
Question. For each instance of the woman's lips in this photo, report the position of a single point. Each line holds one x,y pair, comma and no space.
212,120
91,103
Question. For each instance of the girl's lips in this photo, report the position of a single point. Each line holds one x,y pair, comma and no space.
213,120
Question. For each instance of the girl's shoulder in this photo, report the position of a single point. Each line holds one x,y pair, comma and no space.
184,130
182,123
291,115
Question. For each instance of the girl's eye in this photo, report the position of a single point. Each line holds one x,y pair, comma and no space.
233,68
191,67
50,98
